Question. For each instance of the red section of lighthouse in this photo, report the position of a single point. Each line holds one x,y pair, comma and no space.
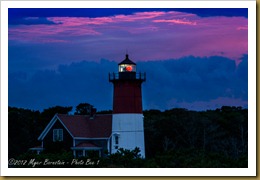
127,97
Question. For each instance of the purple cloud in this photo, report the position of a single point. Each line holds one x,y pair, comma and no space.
192,82
176,34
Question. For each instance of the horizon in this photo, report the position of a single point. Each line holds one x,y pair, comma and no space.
98,111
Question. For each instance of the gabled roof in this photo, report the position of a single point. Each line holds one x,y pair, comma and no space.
83,126
127,61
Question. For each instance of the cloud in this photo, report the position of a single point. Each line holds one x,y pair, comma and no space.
212,104
211,12
30,21
191,82
242,28
175,21
174,33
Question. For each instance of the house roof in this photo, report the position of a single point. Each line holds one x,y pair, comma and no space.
83,126
86,144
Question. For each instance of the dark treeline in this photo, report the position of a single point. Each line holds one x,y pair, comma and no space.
173,138
182,138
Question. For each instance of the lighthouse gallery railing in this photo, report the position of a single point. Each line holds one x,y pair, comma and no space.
117,76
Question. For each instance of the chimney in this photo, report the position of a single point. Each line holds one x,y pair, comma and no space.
93,113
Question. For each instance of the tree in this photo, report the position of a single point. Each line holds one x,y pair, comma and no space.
213,138
83,109
126,158
23,130
48,114
173,138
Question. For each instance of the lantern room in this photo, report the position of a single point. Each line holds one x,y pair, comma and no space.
126,71
127,65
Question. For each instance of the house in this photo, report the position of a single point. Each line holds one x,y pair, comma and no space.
79,133
123,128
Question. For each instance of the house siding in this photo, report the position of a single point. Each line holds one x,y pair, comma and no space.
67,139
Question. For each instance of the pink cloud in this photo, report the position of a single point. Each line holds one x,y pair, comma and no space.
151,35
175,21
80,21
138,16
242,28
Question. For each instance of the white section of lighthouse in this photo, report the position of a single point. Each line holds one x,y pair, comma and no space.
127,118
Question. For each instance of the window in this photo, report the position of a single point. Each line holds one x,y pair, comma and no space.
57,135
116,141
127,68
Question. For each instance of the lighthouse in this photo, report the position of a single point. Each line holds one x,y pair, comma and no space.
127,117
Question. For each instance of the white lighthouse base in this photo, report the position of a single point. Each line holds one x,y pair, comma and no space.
128,132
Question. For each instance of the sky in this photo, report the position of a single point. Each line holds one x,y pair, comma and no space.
193,58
